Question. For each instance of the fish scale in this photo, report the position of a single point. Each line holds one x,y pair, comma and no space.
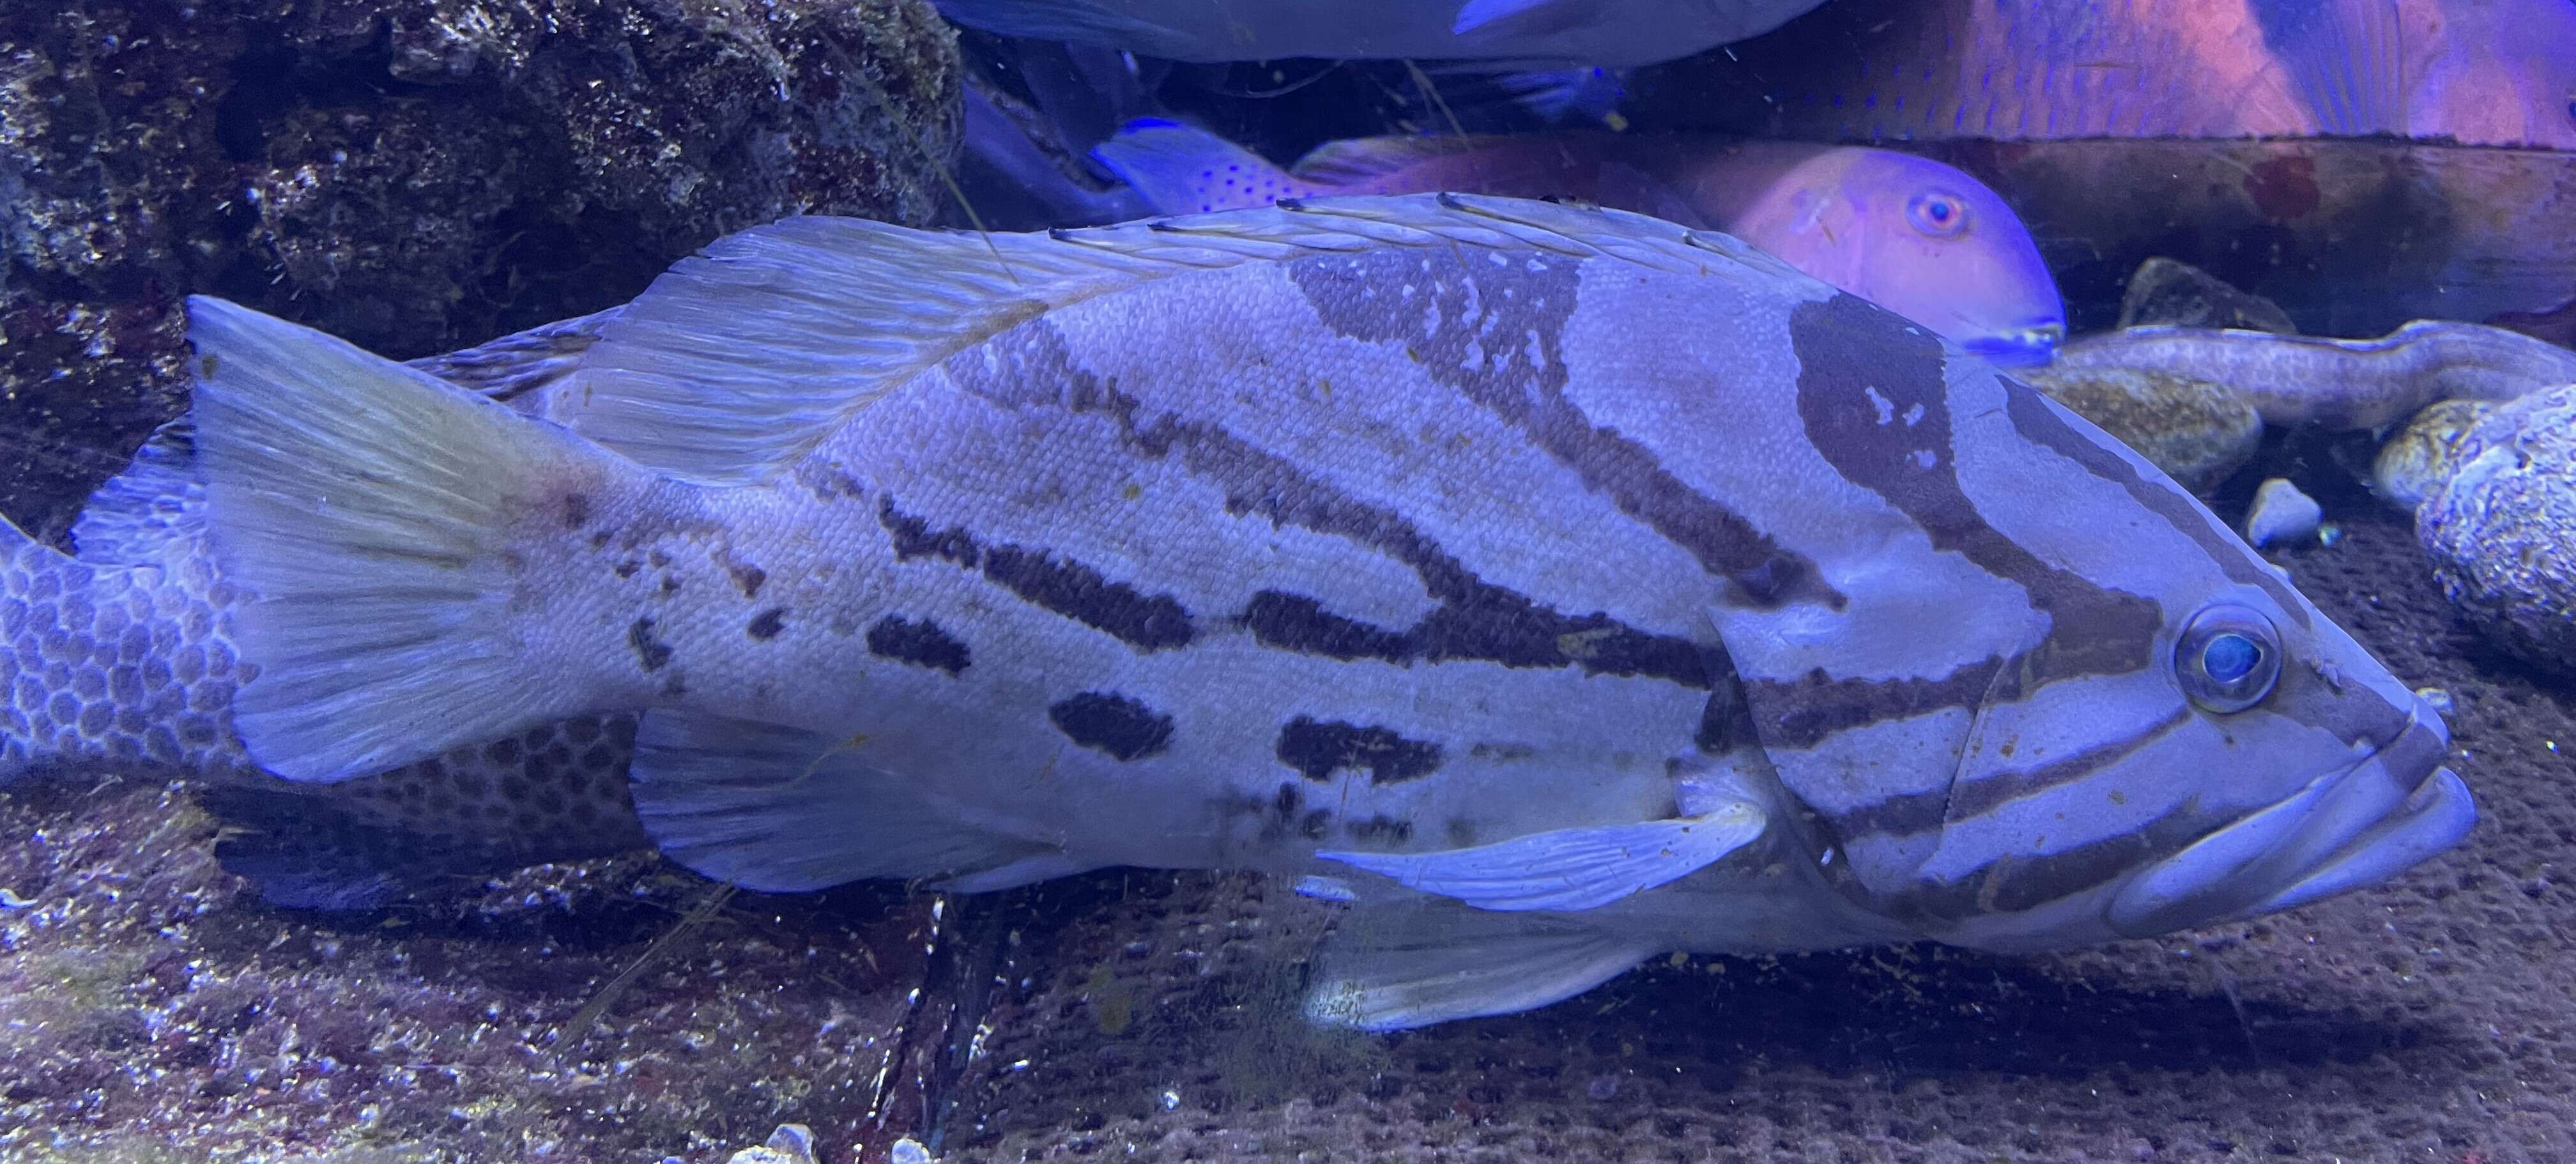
1360,540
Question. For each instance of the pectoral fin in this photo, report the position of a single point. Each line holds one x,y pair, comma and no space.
1399,964
1569,869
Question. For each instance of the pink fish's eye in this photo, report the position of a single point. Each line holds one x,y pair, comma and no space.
1937,213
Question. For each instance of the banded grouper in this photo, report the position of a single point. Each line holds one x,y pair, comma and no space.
1557,585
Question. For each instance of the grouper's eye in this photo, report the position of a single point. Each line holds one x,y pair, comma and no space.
2228,658
1937,213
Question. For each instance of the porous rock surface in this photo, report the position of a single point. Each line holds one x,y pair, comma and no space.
411,175
2501,529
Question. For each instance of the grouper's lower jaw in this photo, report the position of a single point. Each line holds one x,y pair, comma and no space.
2344,831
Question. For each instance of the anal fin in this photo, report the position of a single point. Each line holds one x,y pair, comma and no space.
1410,963
785,810
1569,869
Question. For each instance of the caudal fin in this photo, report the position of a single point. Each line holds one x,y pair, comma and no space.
1181,169
369,507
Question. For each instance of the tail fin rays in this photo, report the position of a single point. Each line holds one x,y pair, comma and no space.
368,507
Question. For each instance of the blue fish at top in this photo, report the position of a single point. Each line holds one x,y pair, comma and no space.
2484,72
1588,32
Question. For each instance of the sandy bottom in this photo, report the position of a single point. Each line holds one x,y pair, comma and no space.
152,1009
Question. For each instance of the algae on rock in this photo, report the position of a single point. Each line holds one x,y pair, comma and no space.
412,175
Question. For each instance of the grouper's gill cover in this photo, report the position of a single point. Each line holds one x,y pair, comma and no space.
2012,710
1413,539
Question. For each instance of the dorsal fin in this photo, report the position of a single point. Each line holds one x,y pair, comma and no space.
521,368
736,362
1360,159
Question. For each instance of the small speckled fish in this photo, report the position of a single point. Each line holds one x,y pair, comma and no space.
1557,585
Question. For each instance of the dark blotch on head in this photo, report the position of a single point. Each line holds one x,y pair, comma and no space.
1112,724
650,651
749,578
576,510
921,644
1318,748
1858,362
766,625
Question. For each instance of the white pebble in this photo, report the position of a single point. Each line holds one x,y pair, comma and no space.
2281,513
908,1151
790,1144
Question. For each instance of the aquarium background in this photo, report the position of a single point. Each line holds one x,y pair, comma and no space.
421,175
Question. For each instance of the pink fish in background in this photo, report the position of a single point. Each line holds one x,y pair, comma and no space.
1914,235
2487,72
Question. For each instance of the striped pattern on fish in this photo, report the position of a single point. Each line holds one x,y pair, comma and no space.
1586,585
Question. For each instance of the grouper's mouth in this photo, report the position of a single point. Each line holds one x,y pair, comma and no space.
2346,830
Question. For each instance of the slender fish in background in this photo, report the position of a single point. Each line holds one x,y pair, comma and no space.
1557,585
1912,235
2484,72
2337,384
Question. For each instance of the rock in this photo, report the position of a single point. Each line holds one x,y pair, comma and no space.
2197,431
2281,514
413,175
790,1144
2421,456
909,1151
2170,292
2502,529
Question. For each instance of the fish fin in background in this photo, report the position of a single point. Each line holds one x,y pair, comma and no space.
1360,160
1503,18
1406,962
2344,58
1084,21
1569,869
1014,183
1182,169
1590,95
1630,188
136,516
785,810
1085,92
370,506
735,362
